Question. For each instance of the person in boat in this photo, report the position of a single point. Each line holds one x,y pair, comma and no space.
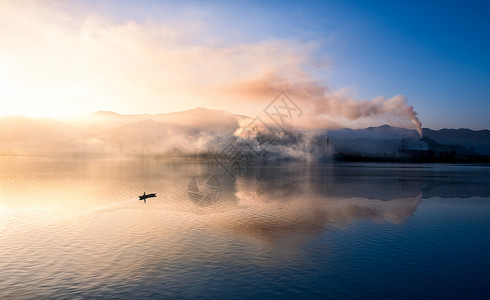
145,196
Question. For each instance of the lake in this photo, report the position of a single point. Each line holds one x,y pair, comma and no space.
74,228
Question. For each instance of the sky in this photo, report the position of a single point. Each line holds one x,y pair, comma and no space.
345,63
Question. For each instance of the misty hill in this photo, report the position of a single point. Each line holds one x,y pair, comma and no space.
198,117
388,140
195,130
379,141
477,140
152,137
22,135
374,133
209,119
201,130
102,120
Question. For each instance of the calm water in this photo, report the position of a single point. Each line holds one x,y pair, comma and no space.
74,228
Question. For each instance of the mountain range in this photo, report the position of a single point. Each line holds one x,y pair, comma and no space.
203,130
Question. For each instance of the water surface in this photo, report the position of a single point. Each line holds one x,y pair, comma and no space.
74,228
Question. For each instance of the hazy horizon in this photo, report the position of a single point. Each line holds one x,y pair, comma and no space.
74,116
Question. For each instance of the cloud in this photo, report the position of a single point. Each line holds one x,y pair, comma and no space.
57,61
72,62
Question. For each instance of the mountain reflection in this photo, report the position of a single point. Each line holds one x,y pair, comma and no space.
68,220
271,202
295,202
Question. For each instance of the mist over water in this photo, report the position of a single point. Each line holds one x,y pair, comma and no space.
75,228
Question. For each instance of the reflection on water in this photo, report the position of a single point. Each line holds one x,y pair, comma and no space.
75,227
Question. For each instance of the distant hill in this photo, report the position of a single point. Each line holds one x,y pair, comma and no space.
152,137
22,135
102,120
195,130
374,133
202,118
198,117
201,130
379,141
479,140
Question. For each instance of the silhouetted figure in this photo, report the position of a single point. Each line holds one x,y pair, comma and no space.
146,196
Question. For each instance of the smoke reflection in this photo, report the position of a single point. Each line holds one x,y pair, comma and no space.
293,202
65,221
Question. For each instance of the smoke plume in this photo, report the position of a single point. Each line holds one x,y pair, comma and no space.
158,66
332,109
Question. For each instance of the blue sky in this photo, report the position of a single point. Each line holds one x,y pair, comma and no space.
435,53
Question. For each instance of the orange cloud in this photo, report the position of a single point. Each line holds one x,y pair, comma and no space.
54,61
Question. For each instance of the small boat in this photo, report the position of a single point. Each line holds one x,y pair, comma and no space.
146,196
